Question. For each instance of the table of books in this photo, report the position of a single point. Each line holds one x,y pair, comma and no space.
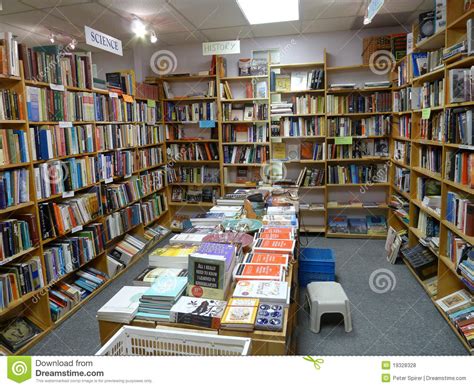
264,342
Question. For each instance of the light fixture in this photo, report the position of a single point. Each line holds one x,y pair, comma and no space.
72,45
269,11
138,27
52,37
153,37
367,21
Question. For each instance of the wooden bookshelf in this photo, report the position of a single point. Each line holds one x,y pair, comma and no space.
448,280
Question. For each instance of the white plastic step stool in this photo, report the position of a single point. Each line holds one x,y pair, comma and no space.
327,297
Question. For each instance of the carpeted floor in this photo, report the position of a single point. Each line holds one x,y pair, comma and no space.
401,321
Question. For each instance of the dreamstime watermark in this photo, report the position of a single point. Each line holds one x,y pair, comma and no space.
51,65
381,176
381,62
273,171
382,280
163,62
56,174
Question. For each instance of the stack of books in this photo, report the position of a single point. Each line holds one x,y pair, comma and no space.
171,256
240,314
157,301
198,312
123,306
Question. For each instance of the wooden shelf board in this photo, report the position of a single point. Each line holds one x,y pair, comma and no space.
210,204
427,173
193,141
426,209
56,196
349,68
186,98
312,187
401,138
459,104
243,77
402,193
299,91
193,184
244,121
358,114
20,301
196,77
361,160
241,185
459,63
400,164
312,229
359,90
246,99
273,115
11,122
296,137
353,235
457,231
17,255
368,184
243,164
428,142
459,186
296,65
16,207
195,161
433,42
360,137
433,75
460,22
256,143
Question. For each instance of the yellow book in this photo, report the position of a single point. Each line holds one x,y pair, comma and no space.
240,314
279,151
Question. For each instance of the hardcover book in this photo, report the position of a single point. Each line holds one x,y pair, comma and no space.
17,332
266,291
198,312
240,314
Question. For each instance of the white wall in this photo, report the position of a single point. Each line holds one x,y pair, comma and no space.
343,47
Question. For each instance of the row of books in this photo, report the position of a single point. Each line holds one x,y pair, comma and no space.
433,128
298,126
125,251
246,154
66,255
304,104
311,177
180,132
353,173
150,92
247,112
459,167
119,195
297,81
148,158
368,225
259,89
63,176
18,279
62,217
113,136
234,133
17,235
431,158
360,148
44,104
458,306
113,108
153,180
65,295
427,225
458,128
122,221
9,50
400,206
300,151
402,151
196,151
401,179
210,91
378,102
461,85
460,212
430,96
426,62
153,207
13,147
457,249
404,126
371,126
201,174
194,195
14,187
190,112
11,105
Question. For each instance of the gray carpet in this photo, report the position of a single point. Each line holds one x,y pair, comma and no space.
402,321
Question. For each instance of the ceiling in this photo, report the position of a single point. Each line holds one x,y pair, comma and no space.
187,21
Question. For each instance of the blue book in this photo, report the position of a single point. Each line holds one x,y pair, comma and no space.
8,186
32,103
22,144
166,288
43,145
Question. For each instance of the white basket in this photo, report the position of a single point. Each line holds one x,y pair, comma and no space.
138,341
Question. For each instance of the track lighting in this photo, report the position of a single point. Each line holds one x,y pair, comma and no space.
72,45
138,27
153,37
52,37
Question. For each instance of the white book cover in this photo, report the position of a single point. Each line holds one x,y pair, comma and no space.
123,305
265,290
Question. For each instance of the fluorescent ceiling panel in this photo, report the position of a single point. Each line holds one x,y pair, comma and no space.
269,11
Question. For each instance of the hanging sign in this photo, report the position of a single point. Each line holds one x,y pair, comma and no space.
221,48
103,41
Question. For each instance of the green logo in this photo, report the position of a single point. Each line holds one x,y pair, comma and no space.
316,361
385,364
385,378
19,368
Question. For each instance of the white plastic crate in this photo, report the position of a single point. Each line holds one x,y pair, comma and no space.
138,341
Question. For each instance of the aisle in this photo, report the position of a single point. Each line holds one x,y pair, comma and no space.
400,322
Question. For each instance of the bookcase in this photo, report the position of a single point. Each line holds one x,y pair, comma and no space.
433,158
75,146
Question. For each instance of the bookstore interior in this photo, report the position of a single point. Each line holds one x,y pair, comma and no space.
234,177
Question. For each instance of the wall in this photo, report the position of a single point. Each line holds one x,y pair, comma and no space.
343,47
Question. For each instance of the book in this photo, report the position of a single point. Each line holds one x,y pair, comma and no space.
240,314
171,256
123,306
270,317
282,246
265,291
455,301
149,275
198,312
17,332
249,271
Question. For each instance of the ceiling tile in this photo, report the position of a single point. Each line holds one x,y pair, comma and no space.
231,33
397,6
211,13
11,6
276,29
180,38
387,20
426,5
310,10
52,3
327,25
140,8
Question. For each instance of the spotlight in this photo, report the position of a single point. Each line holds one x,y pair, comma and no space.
73,43
367,21
153,37
138,27
52,38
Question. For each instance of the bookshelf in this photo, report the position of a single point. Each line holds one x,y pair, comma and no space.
75,136
431,154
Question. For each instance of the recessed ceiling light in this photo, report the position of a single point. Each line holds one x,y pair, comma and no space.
269,11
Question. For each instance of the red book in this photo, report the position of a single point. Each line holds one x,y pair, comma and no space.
282,246
266,258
